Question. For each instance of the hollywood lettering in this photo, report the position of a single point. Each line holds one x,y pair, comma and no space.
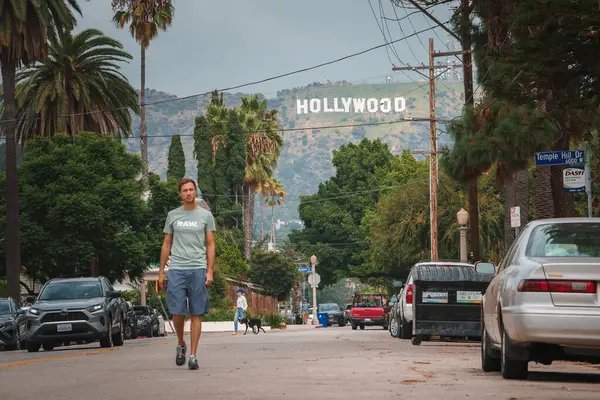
350,104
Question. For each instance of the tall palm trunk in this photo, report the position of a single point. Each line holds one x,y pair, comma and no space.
249,196
273,238
473,218
262,216
12,236
544,203
143,126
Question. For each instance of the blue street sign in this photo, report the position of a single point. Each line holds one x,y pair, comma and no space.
572,157
304,269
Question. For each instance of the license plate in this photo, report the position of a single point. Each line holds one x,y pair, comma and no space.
367,319
64,328
468,297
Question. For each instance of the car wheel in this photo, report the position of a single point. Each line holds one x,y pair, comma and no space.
119,338
33,347
48,346
362,327
511,369
405,329
107,340
394,328
490,362
353,327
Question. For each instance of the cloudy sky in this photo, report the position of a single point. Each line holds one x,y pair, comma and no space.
222,43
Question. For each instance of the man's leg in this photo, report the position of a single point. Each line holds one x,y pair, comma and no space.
235,320
176,301
199,305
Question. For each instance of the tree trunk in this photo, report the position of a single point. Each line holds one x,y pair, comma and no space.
544,203
262,216
249,194
474,219
94,269
273,236
12,236
509,195
143,126
516,194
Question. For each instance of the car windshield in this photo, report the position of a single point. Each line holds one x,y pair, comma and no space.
329,307
71,290
369,301
4,308
141,311
565,240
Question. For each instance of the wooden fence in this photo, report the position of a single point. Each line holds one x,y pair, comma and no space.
257,303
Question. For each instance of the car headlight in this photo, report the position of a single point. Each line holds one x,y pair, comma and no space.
95,308
34,311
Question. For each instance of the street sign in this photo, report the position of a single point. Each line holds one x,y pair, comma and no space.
574,179
304,268
515,217
310,279
547,158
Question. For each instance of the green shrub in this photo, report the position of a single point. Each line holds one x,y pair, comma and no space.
274,320
3,288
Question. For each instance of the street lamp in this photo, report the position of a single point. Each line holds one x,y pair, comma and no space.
463,217
313,263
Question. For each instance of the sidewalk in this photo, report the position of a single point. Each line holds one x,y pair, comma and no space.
227,326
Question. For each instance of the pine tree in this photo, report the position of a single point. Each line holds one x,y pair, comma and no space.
176,159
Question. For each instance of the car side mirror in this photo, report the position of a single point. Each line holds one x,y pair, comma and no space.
485,268
114,294
398,284
20,311
30,299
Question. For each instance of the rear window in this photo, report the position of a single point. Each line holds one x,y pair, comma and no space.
369,301
565,240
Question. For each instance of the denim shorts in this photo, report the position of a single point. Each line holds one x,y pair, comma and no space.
187,288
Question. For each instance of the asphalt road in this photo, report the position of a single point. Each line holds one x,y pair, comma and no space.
330,363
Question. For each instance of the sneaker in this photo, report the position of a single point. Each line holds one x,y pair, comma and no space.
180,357
193,363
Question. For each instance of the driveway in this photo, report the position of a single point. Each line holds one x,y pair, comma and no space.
329,363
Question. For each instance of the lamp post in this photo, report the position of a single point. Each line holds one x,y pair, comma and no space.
313,263
463,217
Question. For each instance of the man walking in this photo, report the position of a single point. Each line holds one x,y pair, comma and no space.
190,242
240,311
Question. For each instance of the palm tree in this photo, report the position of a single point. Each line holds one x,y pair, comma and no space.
263,147
145,19
78,87
25,27
274,194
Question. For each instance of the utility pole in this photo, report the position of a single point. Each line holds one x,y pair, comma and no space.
433,157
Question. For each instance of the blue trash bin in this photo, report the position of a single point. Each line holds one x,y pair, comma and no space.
323,319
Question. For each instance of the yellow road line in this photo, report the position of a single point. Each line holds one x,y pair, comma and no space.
86,353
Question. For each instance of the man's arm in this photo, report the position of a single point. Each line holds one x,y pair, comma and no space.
210,256
165,252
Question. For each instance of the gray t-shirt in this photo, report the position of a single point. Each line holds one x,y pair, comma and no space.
188,249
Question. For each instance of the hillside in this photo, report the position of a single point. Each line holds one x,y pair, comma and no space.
306,157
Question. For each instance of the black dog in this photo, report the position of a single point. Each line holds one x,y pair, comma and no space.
254,323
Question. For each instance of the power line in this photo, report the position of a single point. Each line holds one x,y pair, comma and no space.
272,78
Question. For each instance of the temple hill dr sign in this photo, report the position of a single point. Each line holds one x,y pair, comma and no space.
350,104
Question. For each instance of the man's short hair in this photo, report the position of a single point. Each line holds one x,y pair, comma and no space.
184,181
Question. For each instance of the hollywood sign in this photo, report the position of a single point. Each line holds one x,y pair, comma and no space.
349,104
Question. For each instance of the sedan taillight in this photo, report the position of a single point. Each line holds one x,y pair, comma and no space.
560,286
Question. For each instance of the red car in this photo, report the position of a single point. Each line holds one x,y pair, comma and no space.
369,309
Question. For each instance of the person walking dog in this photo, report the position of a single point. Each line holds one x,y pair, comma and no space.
240,311
190,244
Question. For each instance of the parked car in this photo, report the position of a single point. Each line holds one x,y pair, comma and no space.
335,315
12,325
129,321
347,312
161,325
542,304
147,321
368,309
75,309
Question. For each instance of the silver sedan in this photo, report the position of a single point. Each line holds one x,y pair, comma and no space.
543,303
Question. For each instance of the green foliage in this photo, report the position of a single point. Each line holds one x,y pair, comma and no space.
274,320
229,257
164,197
274,273
176,159
81,199
332,216
3,288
